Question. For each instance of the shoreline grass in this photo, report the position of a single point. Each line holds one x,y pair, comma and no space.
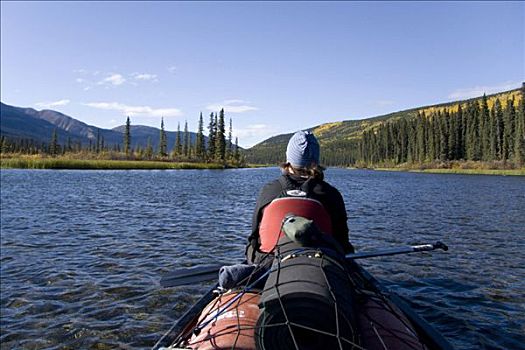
98,164
253,165
465,167
501,172
108,164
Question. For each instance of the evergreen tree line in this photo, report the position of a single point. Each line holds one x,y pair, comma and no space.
54,148
340,152
218,148
473,132
333,153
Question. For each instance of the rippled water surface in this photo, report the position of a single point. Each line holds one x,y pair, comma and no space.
82,252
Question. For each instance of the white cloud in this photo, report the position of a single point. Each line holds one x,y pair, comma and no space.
52,104
232,106
172,69
253,134
84,80
385,102
144,76
478,91
254,131
146,111
90,79
234,102
113,79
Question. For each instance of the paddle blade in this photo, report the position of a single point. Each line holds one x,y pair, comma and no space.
190,275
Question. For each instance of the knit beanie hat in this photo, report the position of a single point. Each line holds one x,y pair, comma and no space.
302,150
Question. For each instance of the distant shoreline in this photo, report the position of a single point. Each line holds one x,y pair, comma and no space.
104,164
501,172
96,164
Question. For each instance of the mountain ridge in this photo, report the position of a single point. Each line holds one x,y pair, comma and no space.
29,123
343,135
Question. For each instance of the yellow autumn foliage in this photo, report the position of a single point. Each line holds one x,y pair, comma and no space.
321,129
514,95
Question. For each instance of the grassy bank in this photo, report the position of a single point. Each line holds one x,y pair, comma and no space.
456,167
507,172
250,165
503,172
58,163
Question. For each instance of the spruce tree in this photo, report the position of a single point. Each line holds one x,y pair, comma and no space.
469,124
188,140
452,131
492,137
459,133
220,141
443,138
390,147
474,144
500,115
519,136
229,149
411,150
178,142
404,140
498,130
127,137
485,128
186,143
163,142
53,145
199,144
432,139
509,121
420,148
211,137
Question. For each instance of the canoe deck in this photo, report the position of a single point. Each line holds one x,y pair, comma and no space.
383,321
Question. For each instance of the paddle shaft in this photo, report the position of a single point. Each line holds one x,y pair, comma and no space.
190,275
209,272
401,250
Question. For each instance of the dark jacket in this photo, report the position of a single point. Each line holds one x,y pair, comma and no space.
328,195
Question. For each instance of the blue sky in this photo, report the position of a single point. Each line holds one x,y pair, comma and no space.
275,67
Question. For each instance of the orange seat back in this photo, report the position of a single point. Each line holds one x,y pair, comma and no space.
278,209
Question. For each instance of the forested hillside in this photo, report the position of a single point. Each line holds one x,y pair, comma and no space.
485,129
489,129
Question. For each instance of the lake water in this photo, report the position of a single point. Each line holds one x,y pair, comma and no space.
82,252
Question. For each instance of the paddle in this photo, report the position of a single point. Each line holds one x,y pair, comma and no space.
190,275
208,272
400,250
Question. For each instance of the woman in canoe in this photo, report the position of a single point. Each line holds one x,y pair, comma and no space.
301,176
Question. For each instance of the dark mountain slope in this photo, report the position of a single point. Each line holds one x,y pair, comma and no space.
27,123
